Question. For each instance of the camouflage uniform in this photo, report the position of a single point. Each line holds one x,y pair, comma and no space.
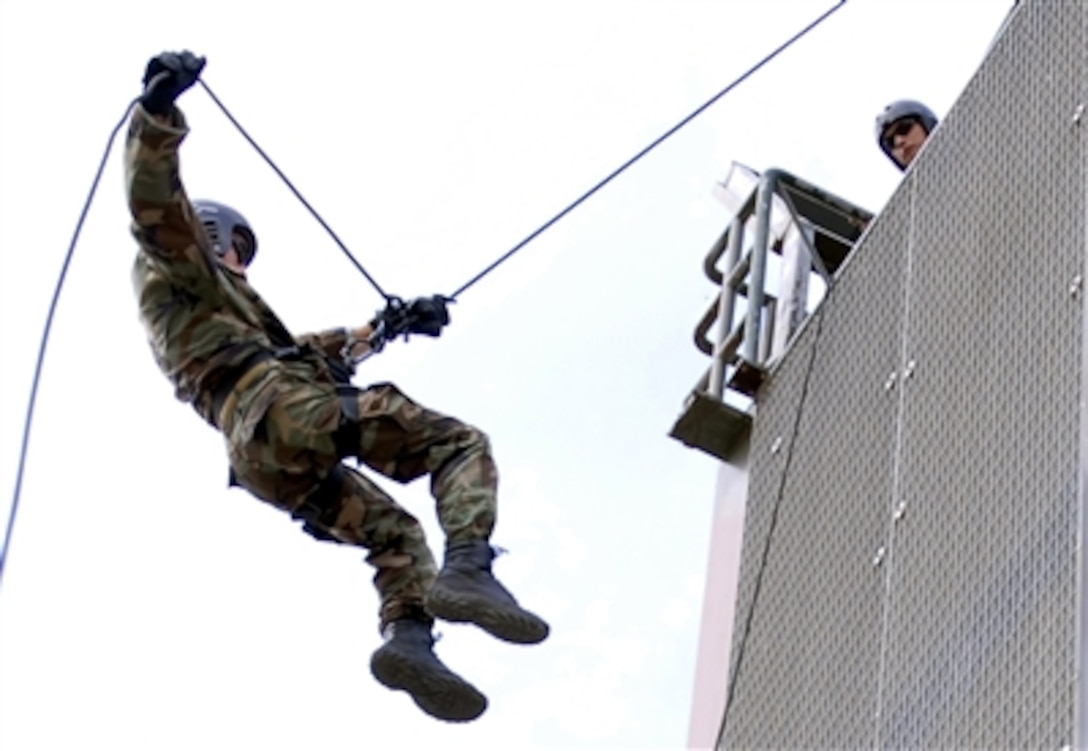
206,324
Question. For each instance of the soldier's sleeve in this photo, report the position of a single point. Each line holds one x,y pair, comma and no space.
330,342
163,220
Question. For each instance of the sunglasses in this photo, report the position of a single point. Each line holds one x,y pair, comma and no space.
899,128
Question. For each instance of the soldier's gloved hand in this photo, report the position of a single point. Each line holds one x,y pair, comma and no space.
427,315
166,77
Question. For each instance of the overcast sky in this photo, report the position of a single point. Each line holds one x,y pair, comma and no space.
145,605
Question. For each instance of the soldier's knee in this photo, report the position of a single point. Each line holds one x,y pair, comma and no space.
473,439
464,444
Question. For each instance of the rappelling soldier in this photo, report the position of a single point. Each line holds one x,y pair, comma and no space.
290,416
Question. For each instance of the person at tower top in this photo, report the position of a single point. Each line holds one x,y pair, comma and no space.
901,130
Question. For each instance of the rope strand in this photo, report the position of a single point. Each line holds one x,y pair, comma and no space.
293,189
623,167
36,381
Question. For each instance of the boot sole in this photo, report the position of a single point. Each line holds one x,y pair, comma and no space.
445,697
516,627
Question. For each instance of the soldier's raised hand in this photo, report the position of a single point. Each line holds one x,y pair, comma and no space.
166,77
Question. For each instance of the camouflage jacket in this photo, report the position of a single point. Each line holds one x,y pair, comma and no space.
201,318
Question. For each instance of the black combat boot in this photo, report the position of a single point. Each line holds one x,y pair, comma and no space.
466,591
407,662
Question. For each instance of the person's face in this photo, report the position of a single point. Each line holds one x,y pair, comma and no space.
904,139
232,259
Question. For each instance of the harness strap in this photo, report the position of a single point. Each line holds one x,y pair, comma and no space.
349,432
227,382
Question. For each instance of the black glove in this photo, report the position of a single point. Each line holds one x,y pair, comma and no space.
427,315
168,75
424,315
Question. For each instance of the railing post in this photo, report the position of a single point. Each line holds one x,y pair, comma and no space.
726,304
749,350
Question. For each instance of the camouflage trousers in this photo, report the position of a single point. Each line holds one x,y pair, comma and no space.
279,432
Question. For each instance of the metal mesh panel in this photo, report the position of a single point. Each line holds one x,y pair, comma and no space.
983,563
808,661
909,564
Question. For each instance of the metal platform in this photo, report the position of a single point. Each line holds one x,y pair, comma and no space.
709,424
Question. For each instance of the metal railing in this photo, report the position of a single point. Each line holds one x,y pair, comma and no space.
811,232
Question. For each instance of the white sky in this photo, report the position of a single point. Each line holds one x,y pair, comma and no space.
145,606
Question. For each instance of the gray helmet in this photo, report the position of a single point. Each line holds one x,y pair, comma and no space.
222,223
897,111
